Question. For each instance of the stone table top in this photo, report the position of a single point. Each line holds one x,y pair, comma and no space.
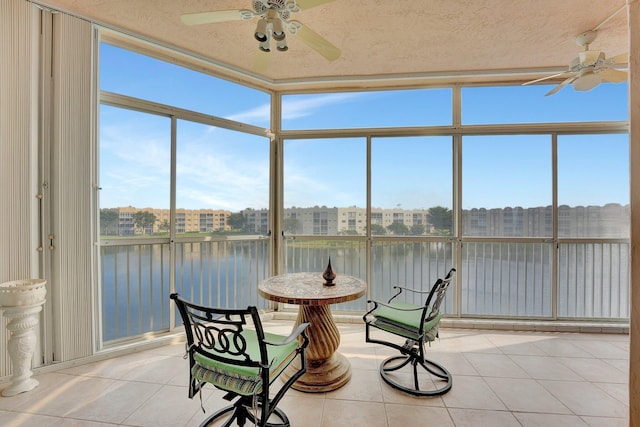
308,289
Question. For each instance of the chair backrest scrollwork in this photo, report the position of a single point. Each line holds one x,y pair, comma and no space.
438,293
221,334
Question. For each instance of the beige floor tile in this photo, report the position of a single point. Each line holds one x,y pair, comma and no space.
175,348
549,420
586,399
524,349
364,361
472,393
524,344
526,395
155,412
495,365
75,392
159,370
466,342
70,422
620,364
351,413
545,368
364,385
404,415
392,395
606,422
618,391
212,401
536,379
456,363
114,403
362,358
295,393
115,368
595,370
476,417
303,409
560,347
15,419
19,419
180,375
31,402
602,349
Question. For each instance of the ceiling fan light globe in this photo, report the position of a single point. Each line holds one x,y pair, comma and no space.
261,31
278,30
265,46
587,81
282,45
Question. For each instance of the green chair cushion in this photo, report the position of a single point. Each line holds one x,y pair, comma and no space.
245,380
404,322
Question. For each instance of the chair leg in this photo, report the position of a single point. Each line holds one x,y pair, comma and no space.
442,374
220,413
405,362
278,412
391,364
242,411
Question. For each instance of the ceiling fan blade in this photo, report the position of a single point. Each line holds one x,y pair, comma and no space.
623,58
211,17
560,86
590,56
261,61
308,4
545,78
587,80
318,43
613,76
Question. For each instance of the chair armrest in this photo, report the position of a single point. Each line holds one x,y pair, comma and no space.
300,330
402,288
378,303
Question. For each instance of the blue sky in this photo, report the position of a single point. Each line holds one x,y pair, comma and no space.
221,169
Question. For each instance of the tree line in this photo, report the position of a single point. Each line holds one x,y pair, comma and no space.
439,217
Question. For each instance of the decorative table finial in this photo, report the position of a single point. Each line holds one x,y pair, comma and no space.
329,275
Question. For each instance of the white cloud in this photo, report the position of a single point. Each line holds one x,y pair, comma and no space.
258,114
293,107
305,105
214,170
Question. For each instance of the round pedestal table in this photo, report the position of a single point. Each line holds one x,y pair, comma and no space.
327,369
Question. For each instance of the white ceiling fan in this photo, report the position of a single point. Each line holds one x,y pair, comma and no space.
274,19
591,67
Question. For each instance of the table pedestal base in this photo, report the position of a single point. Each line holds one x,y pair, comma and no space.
327,369
329,375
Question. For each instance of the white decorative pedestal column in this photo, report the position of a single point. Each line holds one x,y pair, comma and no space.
21,302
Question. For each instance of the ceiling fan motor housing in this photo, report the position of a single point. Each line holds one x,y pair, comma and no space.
585,39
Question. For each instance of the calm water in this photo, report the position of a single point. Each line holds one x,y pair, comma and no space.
503,279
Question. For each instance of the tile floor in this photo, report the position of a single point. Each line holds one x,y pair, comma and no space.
500,379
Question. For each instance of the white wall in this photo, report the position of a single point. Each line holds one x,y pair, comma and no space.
19,214
46,149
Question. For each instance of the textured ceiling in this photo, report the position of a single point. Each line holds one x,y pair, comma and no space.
382,42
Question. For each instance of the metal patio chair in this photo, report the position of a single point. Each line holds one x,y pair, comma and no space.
417,325
229,349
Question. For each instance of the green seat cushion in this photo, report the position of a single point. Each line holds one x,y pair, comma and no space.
405,322
245,380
